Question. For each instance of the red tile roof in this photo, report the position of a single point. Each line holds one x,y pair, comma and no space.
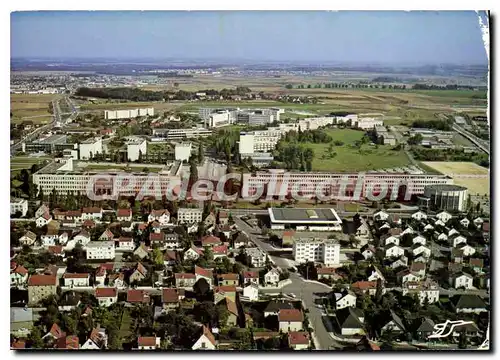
89,223
210,240
92,210
170,255
486,227
160,212
218,250
146,341
124,239
203,272
124,212
170,295
139,267
68,342
209,335
157,236
56,331
42,280
250,274
19,344
21,270
476,262
135,296
55,249
298,338
327,271
364,285
290,315
105,292
73,213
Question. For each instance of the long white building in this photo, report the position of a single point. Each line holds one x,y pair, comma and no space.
278,182
100,250
18,205
128,113
136,147
189,215
326,251
181,134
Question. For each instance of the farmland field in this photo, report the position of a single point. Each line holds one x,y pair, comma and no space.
25,162
349,158
30,107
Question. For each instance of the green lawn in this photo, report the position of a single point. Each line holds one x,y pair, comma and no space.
349,159
25,162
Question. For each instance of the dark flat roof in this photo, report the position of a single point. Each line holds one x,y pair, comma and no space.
309,214
446,187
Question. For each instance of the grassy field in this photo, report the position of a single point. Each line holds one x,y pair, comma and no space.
30,107
349,159
25,162
476,186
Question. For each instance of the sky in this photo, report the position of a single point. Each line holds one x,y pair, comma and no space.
420,37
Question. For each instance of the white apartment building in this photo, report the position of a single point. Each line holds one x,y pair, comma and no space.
128,113
189,215
135,147
88,148
258,141
219,119
181,134
326,251
183,151
426,291
367,123
76,280
280,182
257,257
18,205
100,250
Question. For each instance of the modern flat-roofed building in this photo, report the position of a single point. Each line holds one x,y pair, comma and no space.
136,147
181,134
278,182
183,151
18,205
127,113
259,159
90,147
445,197
49,144
219,119
313,219
325,251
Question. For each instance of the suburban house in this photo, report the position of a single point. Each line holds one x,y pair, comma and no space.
43,220
465,222
419,239
406,275
193,253
171,241
124,215
107,235
272,277
162,216
206,341
250,277
106,295
418,268
462,280
478,221
275,306
390,239
219,251
363,231
184,280
438,222
299,340
380,215
28,238
362,287
148,342
70,342
459,240
223,218
257,257
139,273
92,213
419,215
328,273
210,240
224,292
368,251
345,299
394,251
290,320
206,274
54,333
135,296
443,216
452,232
170,257
98,340
18,276
232,310
374,274
76,280
41,287
425,290
408,230
402,261
125,243
350,321
425,329
468,304
141,251
228,279
476,264
170,299
468,250
421,250
250,293
394,324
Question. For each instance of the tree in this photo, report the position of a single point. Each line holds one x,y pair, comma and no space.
462,340
201,289
35,338
193,171
379,292
157,256
200,153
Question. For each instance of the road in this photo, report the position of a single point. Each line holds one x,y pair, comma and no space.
304,290
482,144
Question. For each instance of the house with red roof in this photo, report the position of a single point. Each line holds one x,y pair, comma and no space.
148,342
93,213
228,279
41,287
206,341
219,251
106,295
210,240
97,340
224,292
55,332
76,280
124,215
363,287
70,342
139,273
18,276
290,320
138,296
207,274
107,235
251,277
184,280
161,215
157,239
43,220
125,243
299,340
170,299
193,253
